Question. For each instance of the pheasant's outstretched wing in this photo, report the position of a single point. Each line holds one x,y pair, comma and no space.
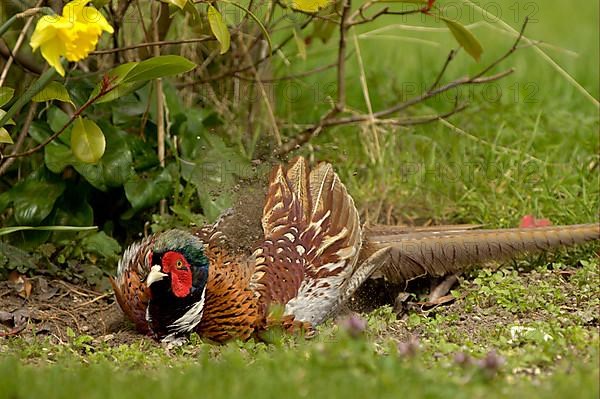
129,285
312,239
405,256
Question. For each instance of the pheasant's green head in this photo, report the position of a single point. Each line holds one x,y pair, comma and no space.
177,282
178,256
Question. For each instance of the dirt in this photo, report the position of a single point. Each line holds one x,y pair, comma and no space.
55,306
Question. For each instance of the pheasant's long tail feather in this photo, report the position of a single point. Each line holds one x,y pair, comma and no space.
402,257
312,240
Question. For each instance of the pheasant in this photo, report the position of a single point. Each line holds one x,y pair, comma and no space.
312,258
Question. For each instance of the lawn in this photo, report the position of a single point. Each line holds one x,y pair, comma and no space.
527,144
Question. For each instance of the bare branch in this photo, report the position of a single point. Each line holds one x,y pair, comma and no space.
289,77
329,120
341,70
21,139
384,11
154,44
422,119
443,70
105,89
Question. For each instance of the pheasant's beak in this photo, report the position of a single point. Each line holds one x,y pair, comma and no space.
155,275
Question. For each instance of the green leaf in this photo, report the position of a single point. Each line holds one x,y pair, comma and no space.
300,44
8,122
87,141
116,77
191,9
58,156
14,229
143,192
33,198
23,99
131,76
323,29
73,209
57,119
6,94
101,244
179,3
54,91
310,6
121,90
219,29
159,67
465,38
115,167
255,18
5,200
5,136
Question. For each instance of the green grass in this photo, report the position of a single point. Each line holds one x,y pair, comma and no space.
531,151
344,369
556,354
529,142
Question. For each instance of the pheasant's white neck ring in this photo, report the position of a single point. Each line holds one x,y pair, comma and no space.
190,319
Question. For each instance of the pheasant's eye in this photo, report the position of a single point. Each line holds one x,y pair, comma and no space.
179,265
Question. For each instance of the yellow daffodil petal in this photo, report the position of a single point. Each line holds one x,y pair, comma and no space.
73,35
46,30
84,42
92,17
73,10
51,51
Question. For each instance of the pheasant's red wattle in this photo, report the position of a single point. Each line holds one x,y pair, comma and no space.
181,277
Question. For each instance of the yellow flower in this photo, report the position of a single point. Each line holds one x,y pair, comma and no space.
73,35
309,5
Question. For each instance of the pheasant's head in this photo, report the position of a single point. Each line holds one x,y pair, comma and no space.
177,282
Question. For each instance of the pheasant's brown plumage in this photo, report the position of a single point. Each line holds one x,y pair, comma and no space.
313,257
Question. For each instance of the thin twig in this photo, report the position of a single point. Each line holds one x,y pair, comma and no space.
330,120
157,43
160,101
507,54
25,63
305,135
341,70
289,77
18,44
96,299
422,119
232,72
21,139
384,11
106,88
443,70
263,92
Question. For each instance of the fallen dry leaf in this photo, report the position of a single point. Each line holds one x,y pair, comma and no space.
19,319
45,291
20,284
